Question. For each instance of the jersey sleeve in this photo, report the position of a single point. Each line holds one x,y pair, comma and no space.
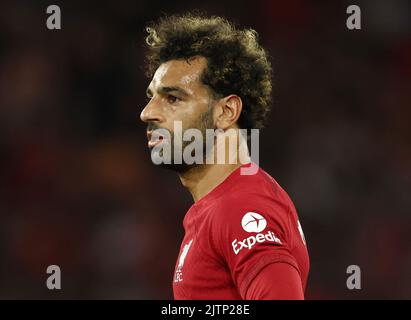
277,281
251,233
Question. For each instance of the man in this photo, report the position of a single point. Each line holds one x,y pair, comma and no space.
242,237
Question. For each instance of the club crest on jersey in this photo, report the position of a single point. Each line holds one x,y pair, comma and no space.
179,274
256,223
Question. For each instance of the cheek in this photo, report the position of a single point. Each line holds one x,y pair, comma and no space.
197,118
188,112
194,114
170,113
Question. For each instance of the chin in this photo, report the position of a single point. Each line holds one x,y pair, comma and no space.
179,168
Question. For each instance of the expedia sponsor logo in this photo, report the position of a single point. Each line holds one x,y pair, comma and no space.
254,222
252,240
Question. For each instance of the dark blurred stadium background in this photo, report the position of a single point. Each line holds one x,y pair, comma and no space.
77,185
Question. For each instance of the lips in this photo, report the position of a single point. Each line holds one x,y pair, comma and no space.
153,143
154,138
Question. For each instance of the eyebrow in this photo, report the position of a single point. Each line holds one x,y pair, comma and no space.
165,90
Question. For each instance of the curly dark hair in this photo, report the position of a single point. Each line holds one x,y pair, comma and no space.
236,62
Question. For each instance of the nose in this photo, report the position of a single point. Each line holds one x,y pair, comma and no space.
151,113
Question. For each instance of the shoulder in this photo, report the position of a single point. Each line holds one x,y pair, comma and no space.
258,191
252,196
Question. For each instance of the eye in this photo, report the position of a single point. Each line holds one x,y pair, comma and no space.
172,99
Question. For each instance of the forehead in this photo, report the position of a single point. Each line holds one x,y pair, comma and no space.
183,73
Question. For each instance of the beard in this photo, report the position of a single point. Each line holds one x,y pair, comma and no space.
204,122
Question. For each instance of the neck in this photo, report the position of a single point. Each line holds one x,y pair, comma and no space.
202,179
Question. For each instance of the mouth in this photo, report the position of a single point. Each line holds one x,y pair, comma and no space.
154,139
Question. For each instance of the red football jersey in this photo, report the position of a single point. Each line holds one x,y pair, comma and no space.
246,223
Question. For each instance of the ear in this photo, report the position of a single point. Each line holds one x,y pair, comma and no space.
228,111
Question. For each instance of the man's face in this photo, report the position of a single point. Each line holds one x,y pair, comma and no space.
177,94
